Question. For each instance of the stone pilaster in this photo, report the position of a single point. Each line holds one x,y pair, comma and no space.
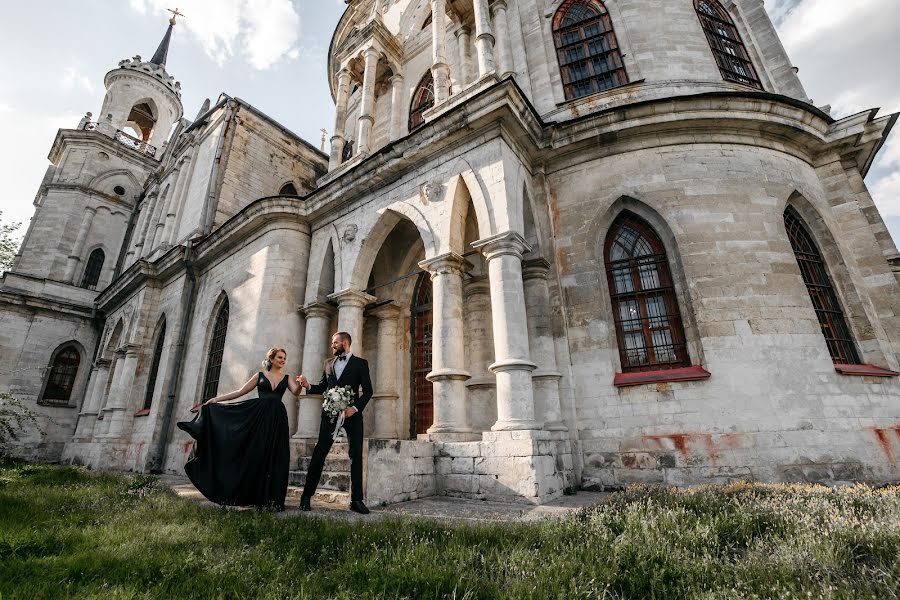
75,258
367,102
386,397
513,366
91,405
340,118
168,217
540,339
144,223
448,374
315,351
120,394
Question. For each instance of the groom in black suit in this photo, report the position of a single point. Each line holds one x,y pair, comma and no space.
344,369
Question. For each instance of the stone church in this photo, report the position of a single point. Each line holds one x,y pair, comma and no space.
581,243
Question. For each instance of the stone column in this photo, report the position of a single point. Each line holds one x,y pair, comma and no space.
89,408
78,248
315,351
484,39
540,342
160,215
513,366
398,102
440,71
119,395
448,372
482,386
465,59
367,102
178,202
144,225
108,394
351,304
340,119
501,28
386,398
168,218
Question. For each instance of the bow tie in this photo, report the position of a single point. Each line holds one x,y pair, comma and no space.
342,358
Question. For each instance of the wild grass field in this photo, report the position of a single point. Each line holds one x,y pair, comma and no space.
66,532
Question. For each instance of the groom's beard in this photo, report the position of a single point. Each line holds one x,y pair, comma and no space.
339,352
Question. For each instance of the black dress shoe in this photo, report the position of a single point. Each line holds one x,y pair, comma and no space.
357,506
304,504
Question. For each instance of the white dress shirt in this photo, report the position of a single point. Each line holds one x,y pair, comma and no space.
340,364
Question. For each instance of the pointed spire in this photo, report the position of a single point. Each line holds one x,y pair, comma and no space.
159,57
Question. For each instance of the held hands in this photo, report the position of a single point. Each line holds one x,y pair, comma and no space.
303,381
350,411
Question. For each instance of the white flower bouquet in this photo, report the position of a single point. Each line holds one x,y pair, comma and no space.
336,399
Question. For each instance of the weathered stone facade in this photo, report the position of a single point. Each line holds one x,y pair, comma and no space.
471,233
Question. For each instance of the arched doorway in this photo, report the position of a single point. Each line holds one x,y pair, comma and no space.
421,334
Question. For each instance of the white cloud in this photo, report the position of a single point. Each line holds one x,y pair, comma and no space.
4,107
263,31
73,78
886,189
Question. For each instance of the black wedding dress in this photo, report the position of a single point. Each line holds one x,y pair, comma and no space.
241,452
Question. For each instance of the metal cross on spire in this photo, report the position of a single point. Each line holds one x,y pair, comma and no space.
175,14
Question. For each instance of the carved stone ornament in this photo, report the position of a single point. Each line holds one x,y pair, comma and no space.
430,192
349,233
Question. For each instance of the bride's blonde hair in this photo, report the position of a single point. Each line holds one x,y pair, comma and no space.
270,356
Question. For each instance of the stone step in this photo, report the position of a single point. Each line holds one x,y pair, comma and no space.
334,463
336,497
329,480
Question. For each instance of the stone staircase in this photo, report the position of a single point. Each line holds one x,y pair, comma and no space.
334,486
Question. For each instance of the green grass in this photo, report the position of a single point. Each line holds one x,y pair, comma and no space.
67,532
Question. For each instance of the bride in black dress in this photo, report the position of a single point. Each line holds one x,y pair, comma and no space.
241,453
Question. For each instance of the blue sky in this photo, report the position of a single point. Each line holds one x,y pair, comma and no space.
272,53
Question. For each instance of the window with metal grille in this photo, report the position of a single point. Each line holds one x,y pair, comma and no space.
587,49
648,322
423,99
422,334
61,378
94,268
726,44
216,350
821,292
154,367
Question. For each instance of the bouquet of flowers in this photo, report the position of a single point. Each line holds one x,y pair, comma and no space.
336,399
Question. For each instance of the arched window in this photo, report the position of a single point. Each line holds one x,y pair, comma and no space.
587,49
347,152
645,308
93,269
725,42
61,379
821,292
422,330
154,366
423,99
288,189
216,350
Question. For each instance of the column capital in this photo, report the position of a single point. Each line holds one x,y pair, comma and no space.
537,268
446,264
476,286
102,363
503,244
317,310
350,297
372,51
498,5
385,312
396,79
461,31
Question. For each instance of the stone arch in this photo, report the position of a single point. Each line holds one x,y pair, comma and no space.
860,313
158,342
79,379
325,249
377,235
114,340
463,188
599,228
221,301
134,186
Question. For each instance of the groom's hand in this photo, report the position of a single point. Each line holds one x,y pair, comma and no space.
303,381
350,411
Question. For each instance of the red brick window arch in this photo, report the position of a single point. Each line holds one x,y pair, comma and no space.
821,291
649,328
587,49
726,44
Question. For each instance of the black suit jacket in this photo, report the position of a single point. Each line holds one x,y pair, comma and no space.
355,375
